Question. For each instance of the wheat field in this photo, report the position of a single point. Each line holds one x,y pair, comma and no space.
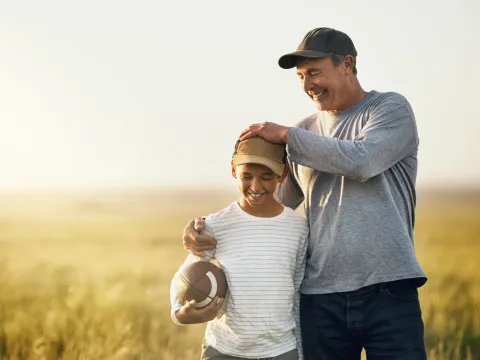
86,275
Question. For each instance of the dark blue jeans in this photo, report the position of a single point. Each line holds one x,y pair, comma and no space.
385,319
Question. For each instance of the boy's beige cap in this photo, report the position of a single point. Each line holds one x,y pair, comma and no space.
256,150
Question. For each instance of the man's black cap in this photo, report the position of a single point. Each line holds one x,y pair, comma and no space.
319,43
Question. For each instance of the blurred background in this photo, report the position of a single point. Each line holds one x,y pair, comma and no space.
117,125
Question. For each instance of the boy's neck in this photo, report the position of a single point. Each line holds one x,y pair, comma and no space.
270,208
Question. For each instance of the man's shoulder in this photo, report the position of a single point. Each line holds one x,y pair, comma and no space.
389,98
383,104
307,122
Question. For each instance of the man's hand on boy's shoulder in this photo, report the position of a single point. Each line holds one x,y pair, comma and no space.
196,242
188,314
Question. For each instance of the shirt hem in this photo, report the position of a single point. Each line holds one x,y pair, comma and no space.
225,351
329,289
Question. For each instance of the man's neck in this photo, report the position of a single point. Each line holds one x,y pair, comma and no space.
355,95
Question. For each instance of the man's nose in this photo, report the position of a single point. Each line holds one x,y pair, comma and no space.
307,85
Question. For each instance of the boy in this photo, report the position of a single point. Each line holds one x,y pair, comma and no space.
261,247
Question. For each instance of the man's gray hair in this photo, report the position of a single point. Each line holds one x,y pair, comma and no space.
338,59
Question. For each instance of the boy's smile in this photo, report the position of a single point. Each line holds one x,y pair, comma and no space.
255,196
255,199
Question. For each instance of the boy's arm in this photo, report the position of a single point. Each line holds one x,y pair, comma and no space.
188,314
174,302
297,281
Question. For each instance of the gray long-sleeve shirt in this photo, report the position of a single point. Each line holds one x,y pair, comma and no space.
356,171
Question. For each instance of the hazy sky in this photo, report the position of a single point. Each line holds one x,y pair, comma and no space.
155,93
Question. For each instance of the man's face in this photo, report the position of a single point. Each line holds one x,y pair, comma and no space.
323,82
257,183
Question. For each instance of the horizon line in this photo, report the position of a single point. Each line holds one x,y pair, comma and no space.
179,188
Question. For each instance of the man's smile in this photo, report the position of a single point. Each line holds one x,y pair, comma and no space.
318,95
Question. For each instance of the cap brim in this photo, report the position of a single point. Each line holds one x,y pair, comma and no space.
276,167
290,60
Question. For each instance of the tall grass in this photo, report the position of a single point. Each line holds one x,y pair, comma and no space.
91,282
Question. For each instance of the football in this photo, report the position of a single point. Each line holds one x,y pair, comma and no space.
201,281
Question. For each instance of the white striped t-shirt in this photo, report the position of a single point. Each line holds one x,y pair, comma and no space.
264,262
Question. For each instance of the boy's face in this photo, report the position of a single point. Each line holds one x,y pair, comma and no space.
256,182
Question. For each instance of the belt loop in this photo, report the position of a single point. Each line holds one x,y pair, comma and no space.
383,286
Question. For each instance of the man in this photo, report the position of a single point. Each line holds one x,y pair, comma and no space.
354,165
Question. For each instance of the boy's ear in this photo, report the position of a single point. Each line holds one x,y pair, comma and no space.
284,175
234,170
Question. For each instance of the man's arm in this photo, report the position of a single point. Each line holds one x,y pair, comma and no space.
289,193
195,241
388,136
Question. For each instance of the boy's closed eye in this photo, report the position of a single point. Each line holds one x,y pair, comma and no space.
266,177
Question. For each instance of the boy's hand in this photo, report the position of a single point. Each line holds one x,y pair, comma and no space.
188,314
195,242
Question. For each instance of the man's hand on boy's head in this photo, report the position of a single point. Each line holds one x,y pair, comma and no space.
194,241
188,314
269,131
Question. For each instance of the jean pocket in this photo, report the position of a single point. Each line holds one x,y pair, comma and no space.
402,289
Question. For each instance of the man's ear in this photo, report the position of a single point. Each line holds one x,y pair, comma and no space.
349,63
234,170
284,175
